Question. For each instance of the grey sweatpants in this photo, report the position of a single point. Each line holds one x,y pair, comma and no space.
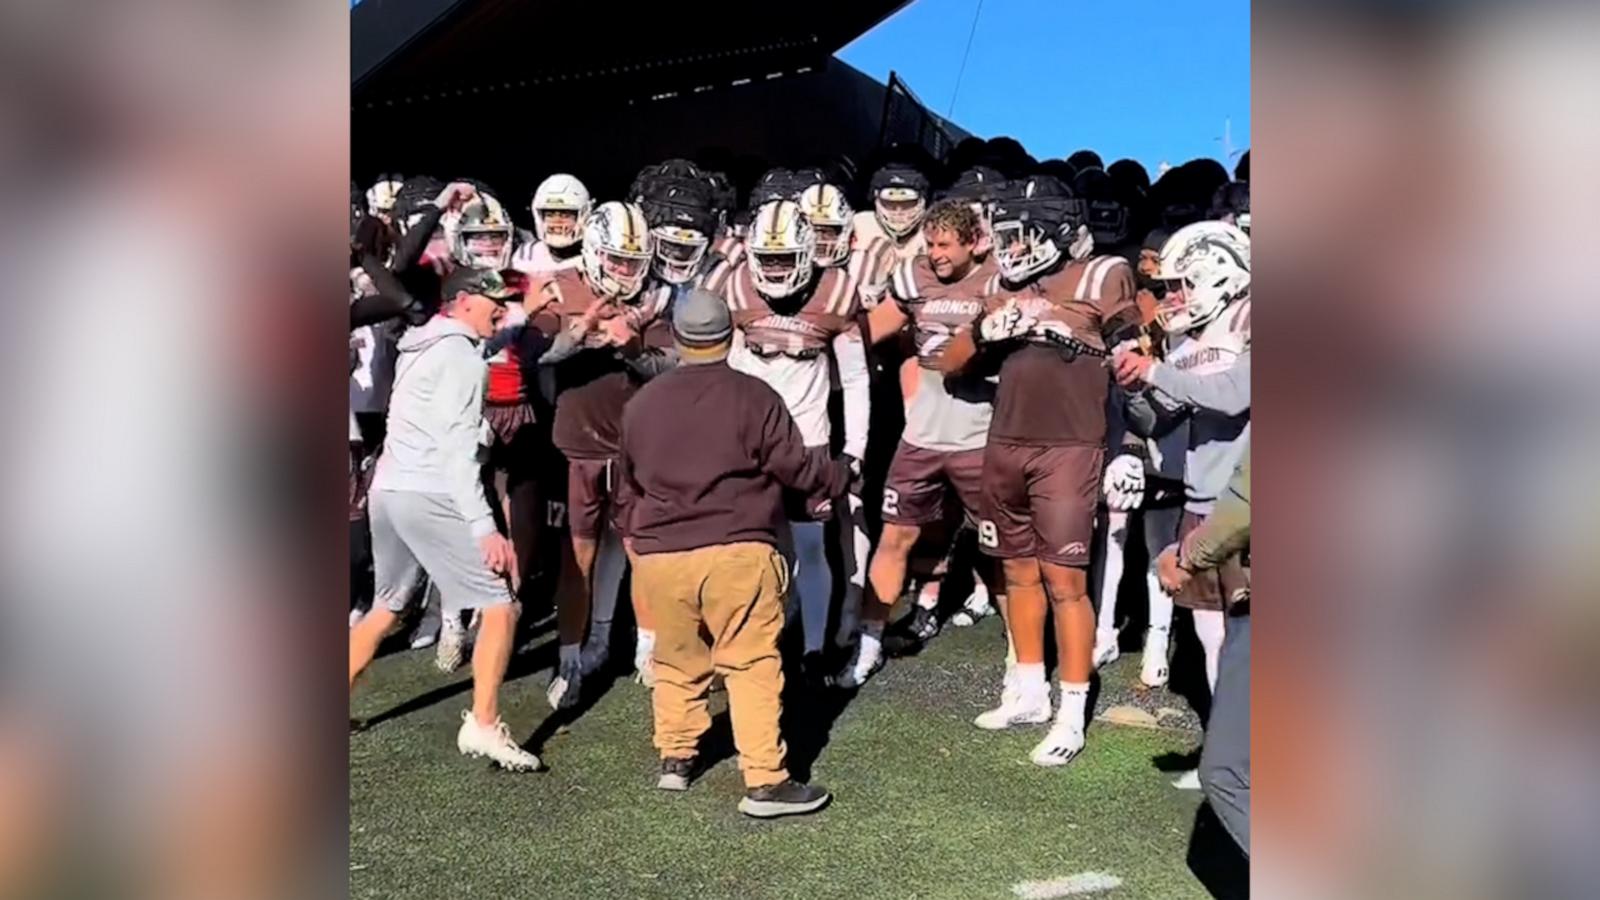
1225,761
414,533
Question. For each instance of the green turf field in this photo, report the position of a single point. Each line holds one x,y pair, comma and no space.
926,805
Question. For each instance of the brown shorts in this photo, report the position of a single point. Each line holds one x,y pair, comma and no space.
1206,588
592,498
818,507
1040,502
915,490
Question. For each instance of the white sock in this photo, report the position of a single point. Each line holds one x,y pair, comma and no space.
645,642
1160,603
1073,699
979,598
1210,627
871,646
1030,681
1112,577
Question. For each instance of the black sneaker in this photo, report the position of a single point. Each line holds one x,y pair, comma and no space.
786,798
676,773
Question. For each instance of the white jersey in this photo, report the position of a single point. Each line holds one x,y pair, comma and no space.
1218,433
870,264
536,259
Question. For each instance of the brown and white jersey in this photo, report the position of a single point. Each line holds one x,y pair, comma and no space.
810,321
591,387
874,254
789,349
947,413
1051,397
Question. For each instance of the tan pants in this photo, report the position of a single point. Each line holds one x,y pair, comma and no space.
718,609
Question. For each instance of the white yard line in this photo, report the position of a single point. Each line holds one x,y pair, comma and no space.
1070,886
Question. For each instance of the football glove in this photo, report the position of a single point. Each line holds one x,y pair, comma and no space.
1124,483
1005,323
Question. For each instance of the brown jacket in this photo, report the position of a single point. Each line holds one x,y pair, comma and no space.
706,452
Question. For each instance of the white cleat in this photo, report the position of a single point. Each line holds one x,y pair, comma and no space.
1106,650
452,645
1015,709
974,610
1153,672
1061,744
1188,781
864,663
495,742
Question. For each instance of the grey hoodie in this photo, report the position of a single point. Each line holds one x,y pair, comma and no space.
436,429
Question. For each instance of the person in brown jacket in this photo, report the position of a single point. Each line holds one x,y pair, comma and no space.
706,452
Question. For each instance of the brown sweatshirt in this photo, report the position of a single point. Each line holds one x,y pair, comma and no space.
706,452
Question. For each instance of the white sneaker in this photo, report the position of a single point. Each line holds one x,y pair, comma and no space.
864,663
1153,668
1063,742
1015,709
974,610
495,742
1188,781
452,645
1106,650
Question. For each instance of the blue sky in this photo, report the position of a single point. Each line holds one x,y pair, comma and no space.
1149,80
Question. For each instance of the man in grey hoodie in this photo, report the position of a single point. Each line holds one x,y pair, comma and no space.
428,507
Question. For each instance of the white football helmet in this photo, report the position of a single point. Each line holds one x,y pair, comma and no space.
781,246
1206,266
832,223
482,236
617,249
560,206
382,195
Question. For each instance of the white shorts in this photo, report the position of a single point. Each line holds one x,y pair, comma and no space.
414,533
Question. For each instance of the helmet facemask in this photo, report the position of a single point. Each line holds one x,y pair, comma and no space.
484,247
1203,269
558,226
779,273
678,252
1023,248
900,210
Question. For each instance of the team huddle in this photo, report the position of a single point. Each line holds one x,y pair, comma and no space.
1003,364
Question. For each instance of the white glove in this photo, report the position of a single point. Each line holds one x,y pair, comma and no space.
1124,483
1007,322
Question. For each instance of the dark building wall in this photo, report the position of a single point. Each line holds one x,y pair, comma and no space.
513,139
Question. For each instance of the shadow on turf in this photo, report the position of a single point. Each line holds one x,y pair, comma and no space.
1214,858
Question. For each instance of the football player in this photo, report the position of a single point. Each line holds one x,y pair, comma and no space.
1145,475
603,337
1048,324
939,295
560,206
789,317
1203,382
899,201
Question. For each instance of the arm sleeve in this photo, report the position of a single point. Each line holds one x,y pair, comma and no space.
783,452
1226,392
461,394
1227,530
1119,306
856,382
657,353
1149,416
375,308
409,250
